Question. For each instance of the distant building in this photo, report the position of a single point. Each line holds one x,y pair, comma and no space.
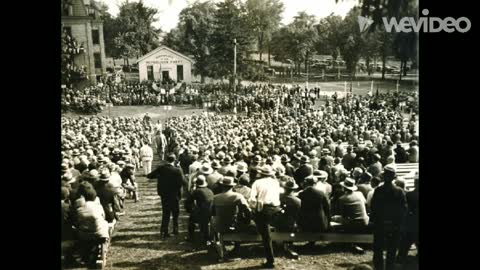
81,20
163,63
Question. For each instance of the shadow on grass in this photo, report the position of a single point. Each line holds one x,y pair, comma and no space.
324,249
177,260
154,209
348,265
127,237
142,215
141,229
156,245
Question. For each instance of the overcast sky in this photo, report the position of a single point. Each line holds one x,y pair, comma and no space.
169,9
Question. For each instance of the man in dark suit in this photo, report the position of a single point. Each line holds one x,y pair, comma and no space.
314,215
106,195
348,159
198,205
388,212
411,233
303,171
170,182
401,155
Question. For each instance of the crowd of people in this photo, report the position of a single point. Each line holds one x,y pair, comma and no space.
288,167
283,164
100,157
216,97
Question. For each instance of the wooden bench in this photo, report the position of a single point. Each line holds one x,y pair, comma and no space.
333,237
101,256
300,237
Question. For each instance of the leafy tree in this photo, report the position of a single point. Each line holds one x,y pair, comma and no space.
194,34
264,18
329,31
231,22
353,43
137,35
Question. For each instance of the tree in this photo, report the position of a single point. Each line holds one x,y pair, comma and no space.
371,47
353,43
194,34
230,22
329,40
264,18
304,35
137,35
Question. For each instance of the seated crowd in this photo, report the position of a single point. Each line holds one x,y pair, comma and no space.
322,185
99,159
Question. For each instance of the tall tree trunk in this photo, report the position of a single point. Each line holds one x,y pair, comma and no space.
202,79
405,68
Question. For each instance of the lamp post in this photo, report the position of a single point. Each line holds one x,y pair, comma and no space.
234,65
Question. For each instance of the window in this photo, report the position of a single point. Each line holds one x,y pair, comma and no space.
95,36
150,73
98,60
67,30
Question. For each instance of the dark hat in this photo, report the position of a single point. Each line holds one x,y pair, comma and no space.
257,158
284,158
227,181
244,179
349,184
290,185
414,142
310,179
227,159
215,164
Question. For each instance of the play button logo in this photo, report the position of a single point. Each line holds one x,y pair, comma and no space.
364,23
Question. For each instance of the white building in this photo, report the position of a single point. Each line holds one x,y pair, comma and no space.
163,63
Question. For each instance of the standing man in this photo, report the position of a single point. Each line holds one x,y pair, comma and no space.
265,197
388,212
146,154
170,182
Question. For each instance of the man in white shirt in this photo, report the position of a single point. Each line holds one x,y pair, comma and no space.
265,199
146,155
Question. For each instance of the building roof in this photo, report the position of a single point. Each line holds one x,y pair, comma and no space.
163,48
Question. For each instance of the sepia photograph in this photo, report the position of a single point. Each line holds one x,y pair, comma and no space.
241,134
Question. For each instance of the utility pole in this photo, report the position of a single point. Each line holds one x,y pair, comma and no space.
234,65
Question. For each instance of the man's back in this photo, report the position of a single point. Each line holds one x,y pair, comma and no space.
224,209
170,180
388,205
315,209
352,207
